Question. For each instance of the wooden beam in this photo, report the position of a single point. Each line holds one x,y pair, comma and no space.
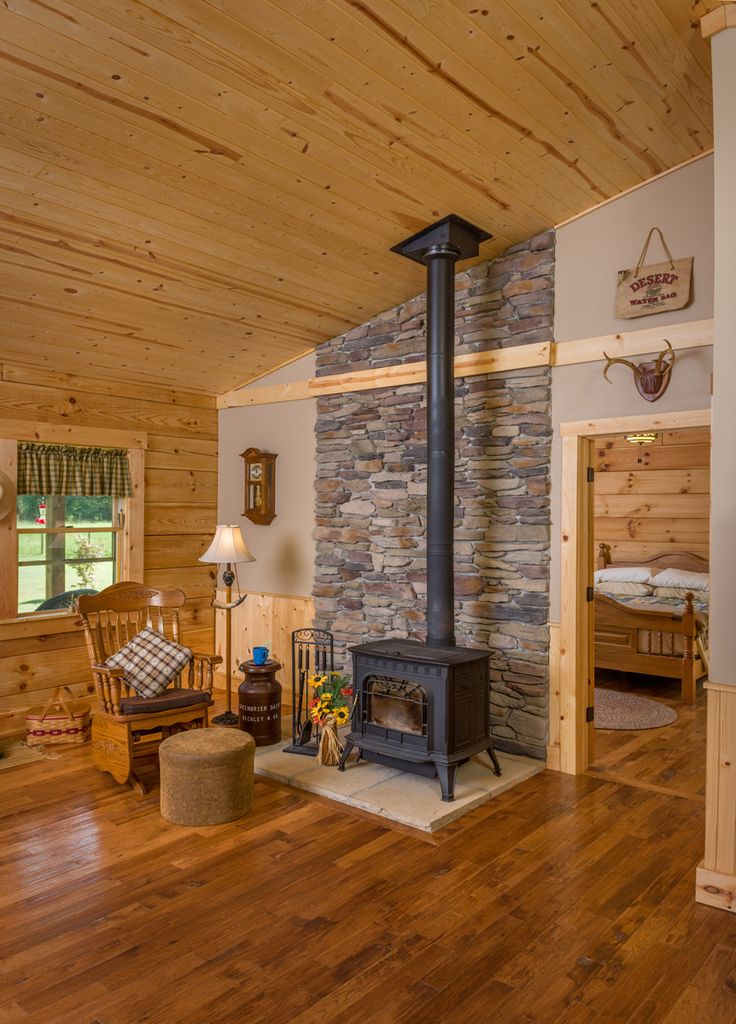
716,21
646,421
692,334
61,433
470,365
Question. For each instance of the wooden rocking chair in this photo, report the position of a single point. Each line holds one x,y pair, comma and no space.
126,727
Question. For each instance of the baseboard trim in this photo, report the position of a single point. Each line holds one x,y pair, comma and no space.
715,889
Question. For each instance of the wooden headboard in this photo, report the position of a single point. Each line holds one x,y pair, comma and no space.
666,560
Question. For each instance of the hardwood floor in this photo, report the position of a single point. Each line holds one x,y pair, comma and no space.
563,901
671,759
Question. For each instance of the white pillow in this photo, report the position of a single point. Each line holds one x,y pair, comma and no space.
623,588
681,592
681,578
631,574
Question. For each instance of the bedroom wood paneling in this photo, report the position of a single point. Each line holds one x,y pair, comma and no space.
180,513
663,482
687,456
653,498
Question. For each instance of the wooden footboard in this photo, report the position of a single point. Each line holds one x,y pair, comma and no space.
617,632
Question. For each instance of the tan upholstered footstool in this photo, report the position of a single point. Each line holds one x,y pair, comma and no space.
206,776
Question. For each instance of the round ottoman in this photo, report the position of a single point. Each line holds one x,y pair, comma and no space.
206,776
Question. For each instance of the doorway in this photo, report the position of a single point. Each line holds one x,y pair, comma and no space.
651,546
575,668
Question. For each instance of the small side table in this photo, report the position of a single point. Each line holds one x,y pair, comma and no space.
259,702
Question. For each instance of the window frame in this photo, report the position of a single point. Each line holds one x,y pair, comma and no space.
114,530
131,535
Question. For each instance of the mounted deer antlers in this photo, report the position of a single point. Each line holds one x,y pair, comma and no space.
651,377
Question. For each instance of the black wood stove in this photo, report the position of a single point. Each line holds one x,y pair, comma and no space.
425,708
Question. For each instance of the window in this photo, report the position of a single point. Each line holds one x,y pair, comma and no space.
71,509
66,543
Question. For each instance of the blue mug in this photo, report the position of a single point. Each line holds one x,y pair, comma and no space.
260,655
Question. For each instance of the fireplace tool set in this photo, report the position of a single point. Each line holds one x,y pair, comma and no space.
312,653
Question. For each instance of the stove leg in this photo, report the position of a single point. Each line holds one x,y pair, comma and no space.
346,754
494,760
446,774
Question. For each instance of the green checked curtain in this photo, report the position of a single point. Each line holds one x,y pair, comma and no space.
63,469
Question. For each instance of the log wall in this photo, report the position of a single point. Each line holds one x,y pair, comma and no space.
180,502
653,498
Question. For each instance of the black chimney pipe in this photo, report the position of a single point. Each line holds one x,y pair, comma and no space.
439,247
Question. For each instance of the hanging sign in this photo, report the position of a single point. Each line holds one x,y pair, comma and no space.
656,287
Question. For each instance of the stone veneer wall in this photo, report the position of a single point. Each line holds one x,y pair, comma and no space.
370,578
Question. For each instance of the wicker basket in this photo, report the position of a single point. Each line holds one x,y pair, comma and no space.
62,719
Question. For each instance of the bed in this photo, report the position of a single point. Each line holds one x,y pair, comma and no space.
651,634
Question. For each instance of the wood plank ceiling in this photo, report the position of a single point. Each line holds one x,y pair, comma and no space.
194,192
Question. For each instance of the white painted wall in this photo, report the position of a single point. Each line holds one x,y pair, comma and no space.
723,453
591,250
284,549
589,253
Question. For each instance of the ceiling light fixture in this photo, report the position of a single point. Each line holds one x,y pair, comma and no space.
643,437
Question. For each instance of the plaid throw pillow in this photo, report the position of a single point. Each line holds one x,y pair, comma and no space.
150,662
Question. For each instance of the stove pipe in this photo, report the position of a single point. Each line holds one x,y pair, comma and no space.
439,247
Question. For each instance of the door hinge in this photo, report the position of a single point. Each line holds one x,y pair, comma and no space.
589,593
591,474
589,714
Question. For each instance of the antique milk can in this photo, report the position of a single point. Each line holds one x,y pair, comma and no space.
259,702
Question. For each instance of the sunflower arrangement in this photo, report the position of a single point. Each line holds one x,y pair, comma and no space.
332,694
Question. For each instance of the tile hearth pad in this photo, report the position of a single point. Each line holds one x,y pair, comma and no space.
390,793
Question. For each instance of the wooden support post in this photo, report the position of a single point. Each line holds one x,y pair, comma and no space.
716,876
9,536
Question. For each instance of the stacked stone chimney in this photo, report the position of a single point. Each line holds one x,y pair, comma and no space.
370,578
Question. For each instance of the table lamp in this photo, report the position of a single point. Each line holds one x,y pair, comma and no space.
228,548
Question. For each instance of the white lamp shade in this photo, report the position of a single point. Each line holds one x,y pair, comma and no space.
227,545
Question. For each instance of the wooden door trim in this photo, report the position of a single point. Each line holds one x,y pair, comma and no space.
570,701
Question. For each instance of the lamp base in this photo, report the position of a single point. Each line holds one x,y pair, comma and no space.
227,718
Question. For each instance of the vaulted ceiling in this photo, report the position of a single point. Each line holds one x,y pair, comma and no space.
195,192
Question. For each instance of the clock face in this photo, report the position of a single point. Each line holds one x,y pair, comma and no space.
256,471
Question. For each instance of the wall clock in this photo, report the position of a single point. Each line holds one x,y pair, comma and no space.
260,486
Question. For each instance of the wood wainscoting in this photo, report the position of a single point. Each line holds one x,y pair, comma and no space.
265,620
179,432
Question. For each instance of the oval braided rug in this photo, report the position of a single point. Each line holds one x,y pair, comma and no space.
615,710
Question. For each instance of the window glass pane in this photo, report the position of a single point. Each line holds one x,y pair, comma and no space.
53,567
35,511
31,588
32,547
52,581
